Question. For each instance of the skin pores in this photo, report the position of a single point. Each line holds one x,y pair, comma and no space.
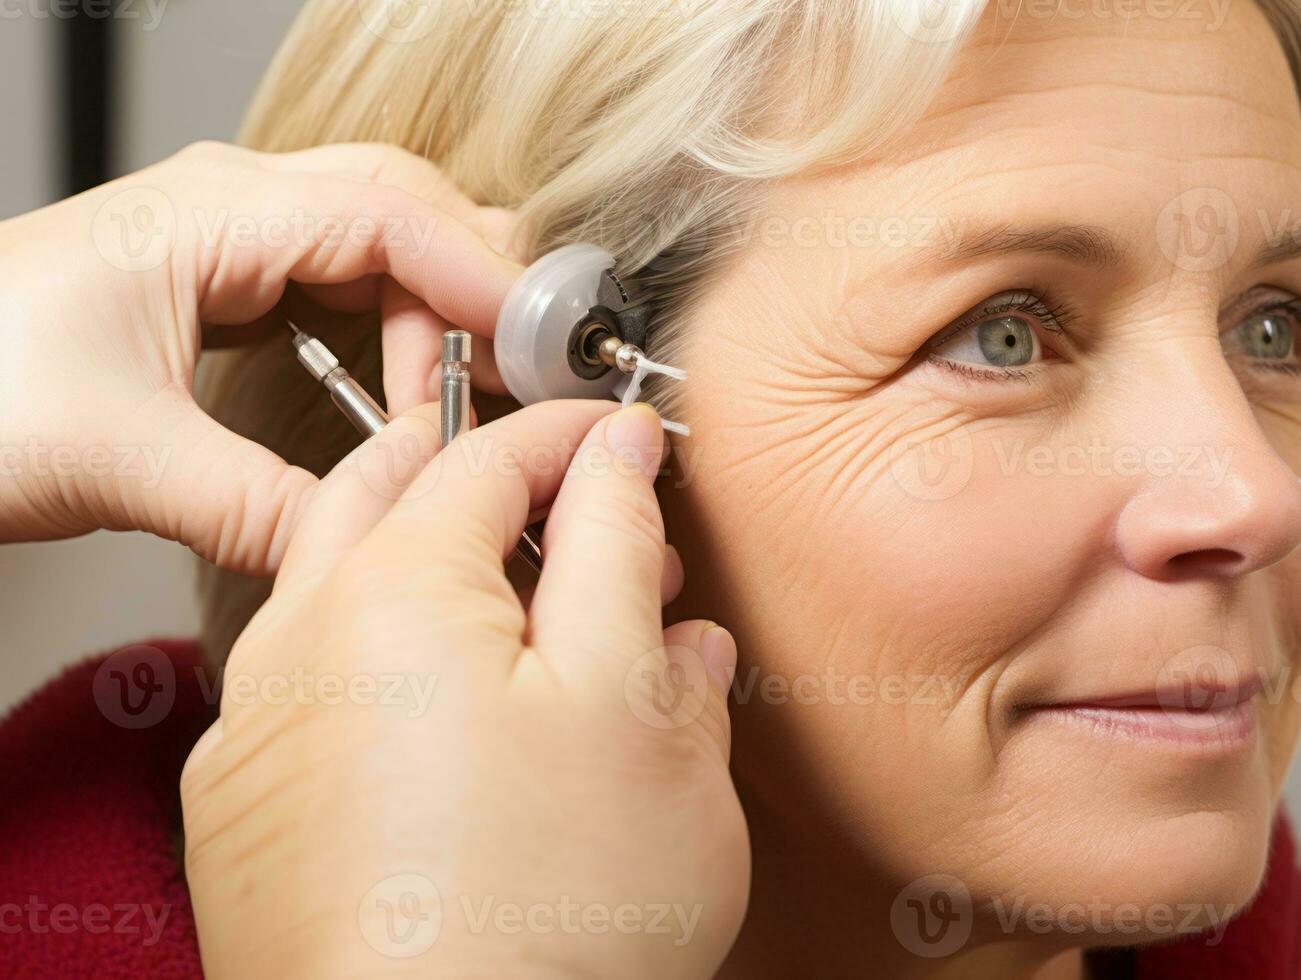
980,608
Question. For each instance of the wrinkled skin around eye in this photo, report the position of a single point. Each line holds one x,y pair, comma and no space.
910,559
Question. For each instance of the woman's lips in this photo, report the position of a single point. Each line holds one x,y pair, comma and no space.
1207,719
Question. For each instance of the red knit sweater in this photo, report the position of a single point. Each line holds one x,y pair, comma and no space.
90,885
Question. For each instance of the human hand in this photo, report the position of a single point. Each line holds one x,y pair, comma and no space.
546,792
106,300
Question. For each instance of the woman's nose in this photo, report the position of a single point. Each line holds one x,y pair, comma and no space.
1213,520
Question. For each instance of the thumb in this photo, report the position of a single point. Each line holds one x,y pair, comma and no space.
225,497
717,652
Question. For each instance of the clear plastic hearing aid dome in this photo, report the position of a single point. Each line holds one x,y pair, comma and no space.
535,333
533,330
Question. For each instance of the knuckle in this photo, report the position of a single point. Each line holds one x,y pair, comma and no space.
635,519
204,151
388,198
641,512
389,162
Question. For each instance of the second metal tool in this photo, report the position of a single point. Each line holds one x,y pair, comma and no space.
455,397
455,411
369,419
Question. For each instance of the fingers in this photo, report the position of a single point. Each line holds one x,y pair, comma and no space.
337,219
674,576
411,341
465,512
671,581
707,649
379,164
232,501
599,594
715,646
358,492
355,227
354,231
412,348
384,164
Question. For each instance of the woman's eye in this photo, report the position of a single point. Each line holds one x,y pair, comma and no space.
1001,333
1266,335
1008,341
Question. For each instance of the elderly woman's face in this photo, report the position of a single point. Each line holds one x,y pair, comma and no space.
994,472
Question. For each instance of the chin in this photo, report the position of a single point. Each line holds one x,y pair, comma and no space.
1137,860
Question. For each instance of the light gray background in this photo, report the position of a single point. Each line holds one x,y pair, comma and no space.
187,79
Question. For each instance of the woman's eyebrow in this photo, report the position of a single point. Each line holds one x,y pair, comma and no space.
1086,244
1279,250
1081,243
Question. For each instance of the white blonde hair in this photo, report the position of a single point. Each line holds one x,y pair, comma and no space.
643,126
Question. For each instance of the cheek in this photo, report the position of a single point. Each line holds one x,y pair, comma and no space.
894,534
876,582
1276,616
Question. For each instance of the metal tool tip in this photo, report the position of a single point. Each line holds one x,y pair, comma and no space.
293,326
457,347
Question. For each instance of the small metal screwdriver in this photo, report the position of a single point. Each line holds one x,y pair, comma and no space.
349,396
369,419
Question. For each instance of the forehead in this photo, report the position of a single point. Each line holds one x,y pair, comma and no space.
1085,116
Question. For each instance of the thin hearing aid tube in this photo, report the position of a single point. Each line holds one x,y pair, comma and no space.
369,419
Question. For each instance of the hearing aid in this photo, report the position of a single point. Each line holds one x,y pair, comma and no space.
571,328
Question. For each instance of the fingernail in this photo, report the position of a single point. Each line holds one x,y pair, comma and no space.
718,651
635,435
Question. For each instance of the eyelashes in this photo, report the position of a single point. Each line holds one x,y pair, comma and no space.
1002,338
973,373
1005,337
1033,301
